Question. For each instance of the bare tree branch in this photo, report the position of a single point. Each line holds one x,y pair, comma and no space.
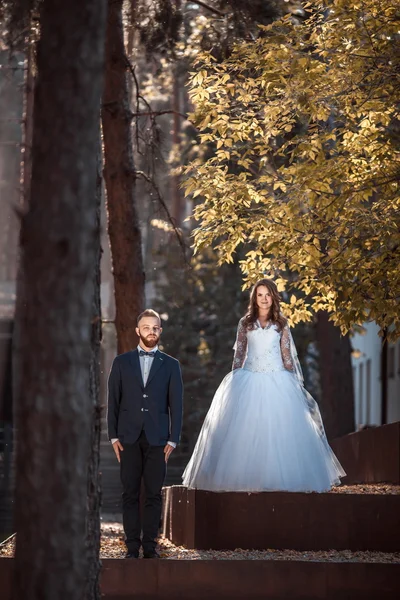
159,113
170,219
207,7
153,114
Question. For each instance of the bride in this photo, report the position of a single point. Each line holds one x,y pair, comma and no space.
263,431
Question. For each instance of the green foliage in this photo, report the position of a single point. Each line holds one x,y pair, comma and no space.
228,21
158,24
203,304
305,123
19,22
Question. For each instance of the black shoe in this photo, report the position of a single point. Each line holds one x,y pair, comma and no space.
151,554
134,554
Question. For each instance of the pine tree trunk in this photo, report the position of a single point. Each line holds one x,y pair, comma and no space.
29,87
337,398
92,589
176,193
28,124
119,174
59,251
11,112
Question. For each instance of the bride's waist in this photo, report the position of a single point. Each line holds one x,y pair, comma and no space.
261,365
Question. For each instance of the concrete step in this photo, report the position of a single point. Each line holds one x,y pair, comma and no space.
282,520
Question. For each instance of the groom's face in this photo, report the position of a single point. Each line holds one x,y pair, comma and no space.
149,331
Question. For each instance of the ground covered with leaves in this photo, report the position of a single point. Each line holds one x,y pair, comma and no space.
113,546
367,488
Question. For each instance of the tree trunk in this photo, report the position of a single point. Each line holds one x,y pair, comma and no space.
176,193
92,589
119,173
130,46
11,112
337,398
28,124
59,245
29,87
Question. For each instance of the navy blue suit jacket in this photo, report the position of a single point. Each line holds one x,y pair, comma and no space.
156,407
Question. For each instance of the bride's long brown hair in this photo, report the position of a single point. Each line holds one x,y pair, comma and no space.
275,315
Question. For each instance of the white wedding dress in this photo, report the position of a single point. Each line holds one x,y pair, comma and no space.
263,430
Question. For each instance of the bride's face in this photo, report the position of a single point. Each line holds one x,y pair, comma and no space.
263,298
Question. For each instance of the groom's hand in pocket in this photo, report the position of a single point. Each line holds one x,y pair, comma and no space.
118,448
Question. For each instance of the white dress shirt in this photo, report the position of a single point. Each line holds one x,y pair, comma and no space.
146,363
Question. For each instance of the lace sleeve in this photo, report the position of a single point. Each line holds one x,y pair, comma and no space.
240,347
286,350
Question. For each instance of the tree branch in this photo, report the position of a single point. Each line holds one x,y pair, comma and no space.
207,7
159,113
138,95
171,220
152,114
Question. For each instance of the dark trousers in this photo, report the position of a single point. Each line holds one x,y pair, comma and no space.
140,460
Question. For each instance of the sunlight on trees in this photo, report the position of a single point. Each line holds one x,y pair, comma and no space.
306,170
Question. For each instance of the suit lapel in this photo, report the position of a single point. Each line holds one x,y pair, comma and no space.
136,365
157,363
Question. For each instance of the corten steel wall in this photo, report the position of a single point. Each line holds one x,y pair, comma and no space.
371,455
225,521
242,579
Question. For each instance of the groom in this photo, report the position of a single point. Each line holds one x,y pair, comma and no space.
144,424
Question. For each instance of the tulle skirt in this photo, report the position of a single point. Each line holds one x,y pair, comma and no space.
259,435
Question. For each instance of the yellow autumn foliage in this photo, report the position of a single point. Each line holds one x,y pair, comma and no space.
305,122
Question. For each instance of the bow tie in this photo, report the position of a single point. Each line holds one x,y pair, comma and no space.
143,353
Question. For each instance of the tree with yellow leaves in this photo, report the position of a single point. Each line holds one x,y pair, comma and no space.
305,120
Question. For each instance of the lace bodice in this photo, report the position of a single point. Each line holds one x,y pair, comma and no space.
263,349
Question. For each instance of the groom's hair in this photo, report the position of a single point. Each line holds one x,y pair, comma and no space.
149,312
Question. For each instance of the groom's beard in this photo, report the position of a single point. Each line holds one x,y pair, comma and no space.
150,341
